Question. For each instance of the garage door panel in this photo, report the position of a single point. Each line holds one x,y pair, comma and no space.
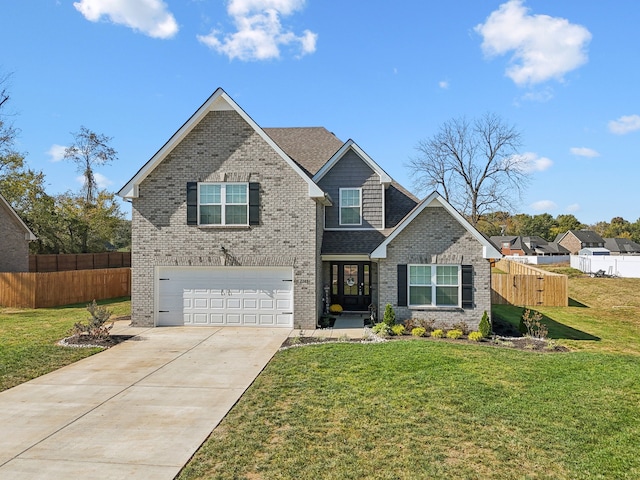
225,296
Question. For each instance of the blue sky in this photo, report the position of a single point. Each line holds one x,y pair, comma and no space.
386,74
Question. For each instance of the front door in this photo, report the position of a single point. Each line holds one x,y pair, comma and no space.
351,285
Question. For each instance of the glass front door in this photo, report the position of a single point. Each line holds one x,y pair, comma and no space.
351,285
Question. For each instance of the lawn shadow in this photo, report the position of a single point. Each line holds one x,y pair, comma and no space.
575,303
510,314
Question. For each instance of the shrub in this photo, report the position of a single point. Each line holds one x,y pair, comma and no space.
418,332
382,329
335,308
475,336
455,333
95,326
428,325
437,333
410,324
531,320
485,326
389,315
397,329
462,326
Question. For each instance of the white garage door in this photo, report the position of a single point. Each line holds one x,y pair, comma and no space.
237,296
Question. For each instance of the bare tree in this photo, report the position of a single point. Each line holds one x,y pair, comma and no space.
89,150
8,132
475,165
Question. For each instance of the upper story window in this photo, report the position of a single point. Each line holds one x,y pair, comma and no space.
223,204
434,285
350,206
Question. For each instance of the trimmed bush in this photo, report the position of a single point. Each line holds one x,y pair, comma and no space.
418,332
389,315
455,333
485,326
437,333
381,329
475,336
397,329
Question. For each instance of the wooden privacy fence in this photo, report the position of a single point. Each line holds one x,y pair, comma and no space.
40,290
528,286
78,261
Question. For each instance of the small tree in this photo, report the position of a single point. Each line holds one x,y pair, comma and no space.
485,326
389,315
96,325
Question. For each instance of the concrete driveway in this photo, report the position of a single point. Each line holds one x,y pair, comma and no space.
138,410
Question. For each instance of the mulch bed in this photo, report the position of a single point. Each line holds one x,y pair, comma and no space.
518,343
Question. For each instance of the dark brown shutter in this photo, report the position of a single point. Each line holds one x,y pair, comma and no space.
254,204
467,286
402,285
192,203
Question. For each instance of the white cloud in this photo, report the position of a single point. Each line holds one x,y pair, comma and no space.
260,35
625,124
543,205
443,84
56,152
151,17
542,47
574,207
584,152
530,162
101,181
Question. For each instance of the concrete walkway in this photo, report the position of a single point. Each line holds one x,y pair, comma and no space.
138,410
348,325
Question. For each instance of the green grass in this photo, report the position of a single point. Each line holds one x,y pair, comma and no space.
424,409
28,340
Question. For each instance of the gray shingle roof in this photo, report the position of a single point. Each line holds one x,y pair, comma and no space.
351,242
621,245
587,236
309,147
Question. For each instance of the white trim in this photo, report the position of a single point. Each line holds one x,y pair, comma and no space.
384,207
385,179
218,101
434,285
223,204
28,234
435,200
359,189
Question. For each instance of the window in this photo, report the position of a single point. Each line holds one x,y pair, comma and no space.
434,285
350,206
223,204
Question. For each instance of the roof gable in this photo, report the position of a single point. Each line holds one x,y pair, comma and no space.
435,199
218,101
28,234
351,145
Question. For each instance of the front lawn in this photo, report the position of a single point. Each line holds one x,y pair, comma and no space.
28,340
415,409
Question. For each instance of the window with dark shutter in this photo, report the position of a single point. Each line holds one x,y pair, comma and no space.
467,286
254,204
402,285
192,203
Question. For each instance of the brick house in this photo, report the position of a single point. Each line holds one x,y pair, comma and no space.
14,248
234,224
576,240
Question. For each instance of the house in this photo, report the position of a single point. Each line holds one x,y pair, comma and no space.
576,240
621,246
14,248
525,246
234,224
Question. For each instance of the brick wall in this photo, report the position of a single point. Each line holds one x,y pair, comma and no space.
223,147
436,237
14,249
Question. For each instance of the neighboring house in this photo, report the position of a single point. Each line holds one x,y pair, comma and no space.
576,240
621,246
233,224
14,248
525,246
